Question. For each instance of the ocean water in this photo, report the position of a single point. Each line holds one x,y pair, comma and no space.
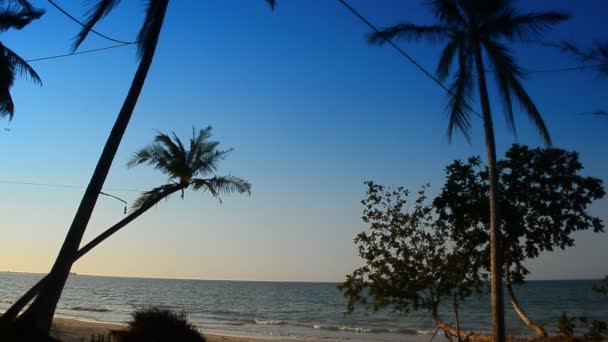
286,310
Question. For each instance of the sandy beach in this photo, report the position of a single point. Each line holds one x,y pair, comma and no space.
70,330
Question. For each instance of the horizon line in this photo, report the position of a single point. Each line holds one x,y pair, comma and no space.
254,281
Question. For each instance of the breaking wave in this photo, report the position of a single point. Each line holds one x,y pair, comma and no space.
89,309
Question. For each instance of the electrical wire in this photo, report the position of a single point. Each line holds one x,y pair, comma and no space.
349,7
574,68
78,53
403,53
121,43
63,186
85,26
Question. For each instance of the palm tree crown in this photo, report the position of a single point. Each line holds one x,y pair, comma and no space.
472,27
14,16
38,316
487,24
193,167
185,168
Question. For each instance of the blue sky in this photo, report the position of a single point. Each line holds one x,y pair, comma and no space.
311,111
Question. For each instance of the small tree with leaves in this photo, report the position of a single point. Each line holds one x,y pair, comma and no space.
544,199
411,263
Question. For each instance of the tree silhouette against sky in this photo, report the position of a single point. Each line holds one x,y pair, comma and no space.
477,33
191,167
39,315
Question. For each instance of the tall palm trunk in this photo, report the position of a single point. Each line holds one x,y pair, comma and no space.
498,321
39,316
11,314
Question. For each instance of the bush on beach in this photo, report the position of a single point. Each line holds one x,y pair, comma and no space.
156,324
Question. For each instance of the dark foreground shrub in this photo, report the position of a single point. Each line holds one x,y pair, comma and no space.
159,325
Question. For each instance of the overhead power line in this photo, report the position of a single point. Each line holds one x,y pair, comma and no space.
77,187
63,186
78,52
562,47
83,25
121,43
574,68
402,52
435,79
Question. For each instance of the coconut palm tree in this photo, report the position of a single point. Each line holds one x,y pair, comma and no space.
193,168
477,33
14,16
38,317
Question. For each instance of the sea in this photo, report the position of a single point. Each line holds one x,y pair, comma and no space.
299,310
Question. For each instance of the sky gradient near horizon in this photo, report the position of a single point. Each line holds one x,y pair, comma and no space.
312,112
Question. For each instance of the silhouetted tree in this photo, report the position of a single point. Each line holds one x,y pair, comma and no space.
191,167
411,262
416,258
544,200
39,315
14,15
472,27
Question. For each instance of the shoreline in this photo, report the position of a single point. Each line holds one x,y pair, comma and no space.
74,330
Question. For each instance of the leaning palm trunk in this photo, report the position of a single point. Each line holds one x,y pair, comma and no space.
11,314
39,315
519,310
498,321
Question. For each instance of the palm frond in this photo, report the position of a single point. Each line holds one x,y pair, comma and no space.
207,163
409,32
7,79
203,134
447,56
524,26
7,107
180,145
197,142
21,66
97,10
459,100
222,185
505,69
12,17
458,107
26,5
528,105
151,197
153,154
155,14
447,11
169,145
